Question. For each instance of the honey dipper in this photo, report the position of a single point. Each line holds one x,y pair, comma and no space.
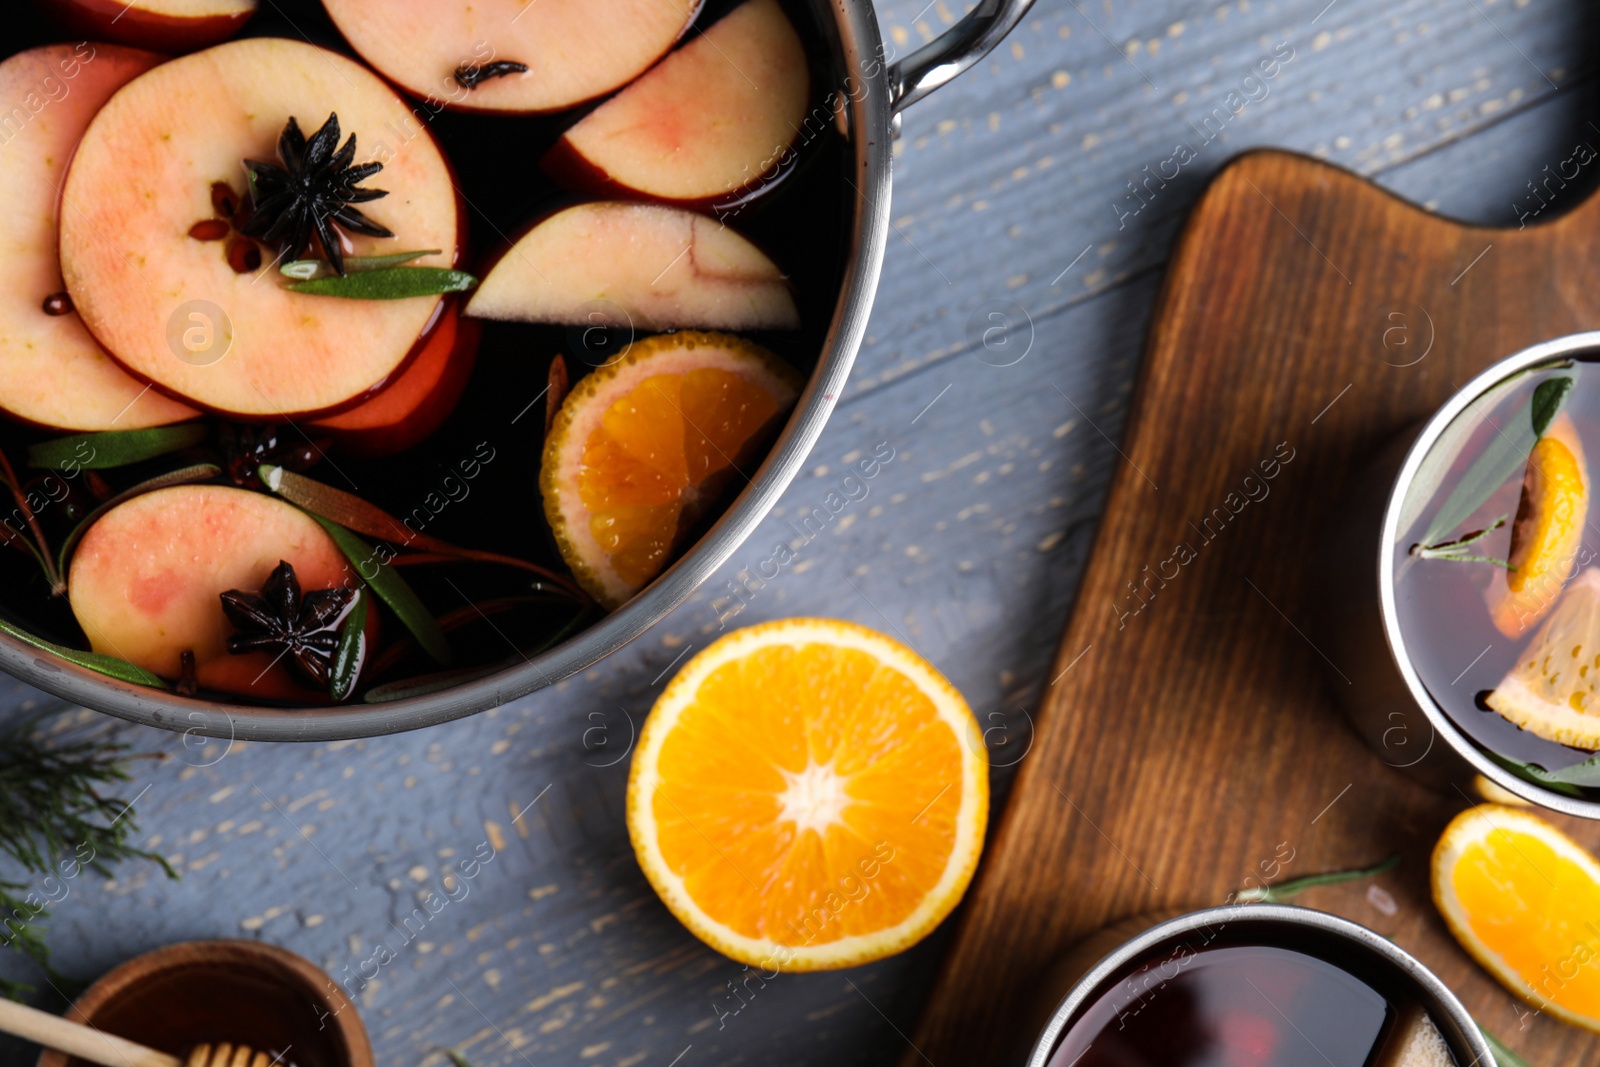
96,1046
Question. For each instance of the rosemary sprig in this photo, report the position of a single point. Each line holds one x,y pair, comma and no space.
1457,550
1276,894
1503,1056
53,810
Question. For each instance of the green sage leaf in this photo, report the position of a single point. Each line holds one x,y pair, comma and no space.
117,448
1273,894
1503,1056
392,589
1441,457
352,651
200,472
307,270
1568,782
389,283
1505,456
1547,401
110,666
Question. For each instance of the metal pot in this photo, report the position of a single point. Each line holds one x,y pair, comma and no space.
1105,959
1382,693
872,94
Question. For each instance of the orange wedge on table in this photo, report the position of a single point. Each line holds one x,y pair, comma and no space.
642,448
1524,900
809,794
1548,531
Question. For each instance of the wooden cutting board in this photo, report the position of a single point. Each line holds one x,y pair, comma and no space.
1191,735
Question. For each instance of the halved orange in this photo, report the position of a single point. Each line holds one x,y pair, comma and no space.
1548,530
644,446
1553,689
809,794
1524,900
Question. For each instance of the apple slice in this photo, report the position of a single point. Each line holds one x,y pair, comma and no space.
173,308
146,580
638,265
51,371
511,55
164,25
711,119
420,399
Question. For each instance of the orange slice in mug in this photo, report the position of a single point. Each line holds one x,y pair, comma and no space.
1553,690
1524,900
1548,530
809,794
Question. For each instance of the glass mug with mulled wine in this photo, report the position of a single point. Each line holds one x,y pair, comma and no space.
1257,985
1485,613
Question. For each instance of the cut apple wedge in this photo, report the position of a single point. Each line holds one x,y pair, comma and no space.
181,311
163,25
420,399
146,581
52,373
636,265
511,55
713,118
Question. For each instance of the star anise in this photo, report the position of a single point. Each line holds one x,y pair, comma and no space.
311,193
302,629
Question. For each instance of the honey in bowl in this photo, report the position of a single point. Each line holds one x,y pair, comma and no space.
1497,575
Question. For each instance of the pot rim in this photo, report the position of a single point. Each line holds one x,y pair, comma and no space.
860,51
1434,994
1570,346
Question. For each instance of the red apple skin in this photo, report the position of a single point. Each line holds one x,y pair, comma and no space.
52,373
137,26
144,582
143,173
715,118
410,410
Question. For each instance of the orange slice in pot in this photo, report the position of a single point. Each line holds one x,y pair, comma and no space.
1524,900
1548,530
642,449
809,794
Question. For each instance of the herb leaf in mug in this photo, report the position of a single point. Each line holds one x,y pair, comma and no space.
1547,401
1506,454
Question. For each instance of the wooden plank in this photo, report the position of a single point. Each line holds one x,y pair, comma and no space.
1192,736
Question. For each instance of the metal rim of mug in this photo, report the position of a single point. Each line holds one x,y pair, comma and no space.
873,117
1561,348
1435,995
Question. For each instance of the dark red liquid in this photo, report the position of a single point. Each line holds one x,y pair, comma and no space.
1442,605
1239,1006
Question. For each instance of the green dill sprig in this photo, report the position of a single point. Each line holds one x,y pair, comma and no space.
55,811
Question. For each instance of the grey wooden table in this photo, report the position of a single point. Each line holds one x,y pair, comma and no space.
1012,199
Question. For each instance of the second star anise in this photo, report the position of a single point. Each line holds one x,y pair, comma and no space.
302,629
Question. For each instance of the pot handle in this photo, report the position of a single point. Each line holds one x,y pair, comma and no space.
953,51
